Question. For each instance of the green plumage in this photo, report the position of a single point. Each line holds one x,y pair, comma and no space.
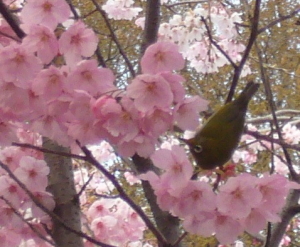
215,143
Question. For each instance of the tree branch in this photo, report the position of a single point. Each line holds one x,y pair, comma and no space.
252,38
89,158
114,38
216,44
50,213
270,100
11,20
152,22
282,18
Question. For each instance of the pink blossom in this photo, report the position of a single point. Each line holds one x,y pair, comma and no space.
291,134
125,123
167,195
187,112
49,126
255,221
161,56
100,208
175,163
44,198
11,191
103,152
149,91
175,81
203,223
131,178
143,144
196,197
238,196
7,133
33,173
227,228
18,65
85,132
105,106
42,40
45,12
76,42
156,122
14,99
10,237
274,189
89,77
103,227
140,22
80,106
11,156
50,83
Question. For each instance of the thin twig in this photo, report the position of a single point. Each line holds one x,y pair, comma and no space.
89,158
85,185
282,18
252,38
34,229
75,14
217,45
270,100
186,2
45,150
270,139
50,213
269,232
114,38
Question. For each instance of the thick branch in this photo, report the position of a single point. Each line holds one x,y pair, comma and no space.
11,20
152,22
290,210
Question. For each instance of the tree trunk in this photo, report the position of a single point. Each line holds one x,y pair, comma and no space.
61,185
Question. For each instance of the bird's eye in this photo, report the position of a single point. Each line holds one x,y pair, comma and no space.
198,148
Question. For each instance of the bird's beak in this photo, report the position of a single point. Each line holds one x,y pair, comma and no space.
188,142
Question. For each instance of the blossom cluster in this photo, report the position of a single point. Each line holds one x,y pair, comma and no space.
50,85
121,9
243,203
107,214
77,101
249,154
16,205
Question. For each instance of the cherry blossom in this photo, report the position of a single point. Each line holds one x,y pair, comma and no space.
238,196
161,56
121,9
88,77
50,83
42,40
18,65
45,12
149,91
76,42
33,173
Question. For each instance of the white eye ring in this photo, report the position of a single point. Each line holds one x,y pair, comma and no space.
198,149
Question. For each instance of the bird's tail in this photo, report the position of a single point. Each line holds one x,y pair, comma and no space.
246,95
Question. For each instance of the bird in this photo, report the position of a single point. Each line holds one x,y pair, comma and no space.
214,144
